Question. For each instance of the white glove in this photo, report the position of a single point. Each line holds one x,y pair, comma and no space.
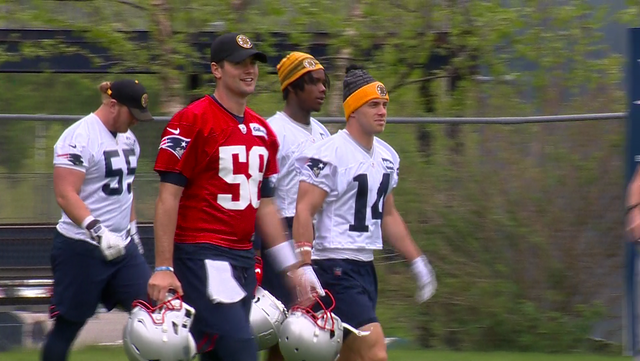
111,244
312,280
426,278
133,232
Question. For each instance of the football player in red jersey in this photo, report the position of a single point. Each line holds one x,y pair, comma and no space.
216,162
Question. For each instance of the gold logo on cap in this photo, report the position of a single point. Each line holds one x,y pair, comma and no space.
243,41
145,100
309,63
381,90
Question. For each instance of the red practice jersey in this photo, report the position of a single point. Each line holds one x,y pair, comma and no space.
224,162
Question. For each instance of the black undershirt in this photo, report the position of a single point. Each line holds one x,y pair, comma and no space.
240,119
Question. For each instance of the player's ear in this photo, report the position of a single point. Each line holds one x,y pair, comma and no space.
352,116
113,105
216,70
290,91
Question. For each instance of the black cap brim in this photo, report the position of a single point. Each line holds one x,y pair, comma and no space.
243,54
141,115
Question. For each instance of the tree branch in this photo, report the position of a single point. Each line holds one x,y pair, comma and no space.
419,80
132,4
338,57
398,5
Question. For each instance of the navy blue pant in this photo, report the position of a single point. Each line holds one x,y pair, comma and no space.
221,330
83,278
354,286
272,279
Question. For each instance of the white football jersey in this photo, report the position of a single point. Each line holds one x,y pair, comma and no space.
293,138
357,182
109,163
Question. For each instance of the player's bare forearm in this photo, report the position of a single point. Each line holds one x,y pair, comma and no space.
633,206
303,234
164,224
310,199
396,233
633,190
133,210
74,207
269,223
66,187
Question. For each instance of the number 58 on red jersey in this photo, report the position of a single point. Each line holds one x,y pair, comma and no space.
225,163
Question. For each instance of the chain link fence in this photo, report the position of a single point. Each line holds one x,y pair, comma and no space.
532,201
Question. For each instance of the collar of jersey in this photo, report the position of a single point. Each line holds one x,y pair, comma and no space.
102,127
367,152
308,128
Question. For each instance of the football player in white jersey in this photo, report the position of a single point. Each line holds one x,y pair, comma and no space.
304,83
96,255
347,181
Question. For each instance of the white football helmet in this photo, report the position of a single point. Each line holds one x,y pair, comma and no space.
267,316
309,336
160,333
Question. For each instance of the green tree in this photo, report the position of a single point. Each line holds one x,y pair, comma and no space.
521,223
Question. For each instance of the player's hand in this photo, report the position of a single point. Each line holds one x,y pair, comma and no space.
306,285
258,269
111,244
300,287
312,280
425,277
160,283
633,224
133,231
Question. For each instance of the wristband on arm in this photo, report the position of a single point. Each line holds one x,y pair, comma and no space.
303,247
282,255
89,223
133,227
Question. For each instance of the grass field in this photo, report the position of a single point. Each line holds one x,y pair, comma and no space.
116,354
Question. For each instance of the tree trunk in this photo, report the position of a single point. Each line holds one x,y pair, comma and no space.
171,101
340,64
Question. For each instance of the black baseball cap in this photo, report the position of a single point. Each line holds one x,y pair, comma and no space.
133,95
235,48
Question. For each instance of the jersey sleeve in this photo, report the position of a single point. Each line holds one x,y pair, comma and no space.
396,174
395,163
72,150
315,168
278,131
136,147
273,147
181,147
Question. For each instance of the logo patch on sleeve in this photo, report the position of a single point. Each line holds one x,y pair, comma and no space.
175,144
388,164
73,158
316,166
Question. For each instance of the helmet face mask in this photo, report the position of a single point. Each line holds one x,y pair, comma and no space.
310,336
161,332
267,316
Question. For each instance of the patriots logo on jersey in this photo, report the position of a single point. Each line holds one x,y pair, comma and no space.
388,164
175,144
75,159
316,166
